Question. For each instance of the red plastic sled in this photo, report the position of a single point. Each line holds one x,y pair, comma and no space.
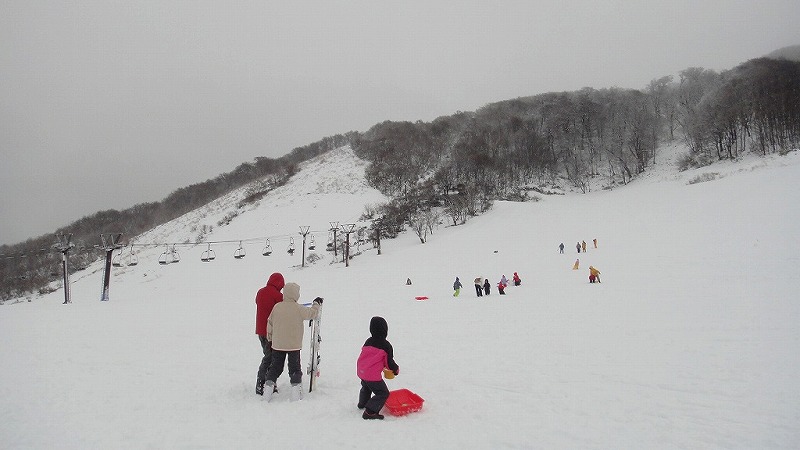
403,401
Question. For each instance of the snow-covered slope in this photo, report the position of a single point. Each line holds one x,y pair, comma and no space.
690,341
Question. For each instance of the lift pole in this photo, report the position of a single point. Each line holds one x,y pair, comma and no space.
304,233
334,229
110,243
347,229
64,245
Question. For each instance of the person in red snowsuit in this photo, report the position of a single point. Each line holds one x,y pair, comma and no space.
266,298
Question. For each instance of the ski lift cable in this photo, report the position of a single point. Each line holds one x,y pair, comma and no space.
219,242
224,241
174,245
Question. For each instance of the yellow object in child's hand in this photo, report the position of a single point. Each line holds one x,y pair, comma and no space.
388,374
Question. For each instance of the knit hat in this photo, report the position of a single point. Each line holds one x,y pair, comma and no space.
378,327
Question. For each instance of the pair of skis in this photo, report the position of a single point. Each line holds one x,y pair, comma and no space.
313,364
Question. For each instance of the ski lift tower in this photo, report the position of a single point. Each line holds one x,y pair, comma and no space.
348,229
334,229
64,245
304,233
110,243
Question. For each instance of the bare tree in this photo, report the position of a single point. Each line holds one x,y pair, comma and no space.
418,224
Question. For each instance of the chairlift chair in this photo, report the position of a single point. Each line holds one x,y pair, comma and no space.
164,259
267,249
330,241
176,257
208,255
239,253
312,244
132,258
116,260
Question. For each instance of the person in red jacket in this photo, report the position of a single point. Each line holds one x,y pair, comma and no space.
266,298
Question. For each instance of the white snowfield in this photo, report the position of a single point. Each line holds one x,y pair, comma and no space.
692,340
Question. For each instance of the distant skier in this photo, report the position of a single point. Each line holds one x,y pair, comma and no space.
285,331
376,355
504,280
457,287
501,288
487,286
583,246
594,241
517,279
561,248
578,246
479,286
594,274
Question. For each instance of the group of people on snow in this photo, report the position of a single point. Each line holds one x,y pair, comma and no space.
484,287
279,326
580,246
594,274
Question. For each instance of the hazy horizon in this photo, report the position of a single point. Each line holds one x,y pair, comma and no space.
105,105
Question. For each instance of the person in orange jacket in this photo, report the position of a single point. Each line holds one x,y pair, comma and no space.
594,274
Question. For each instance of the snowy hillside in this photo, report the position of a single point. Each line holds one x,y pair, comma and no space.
690,341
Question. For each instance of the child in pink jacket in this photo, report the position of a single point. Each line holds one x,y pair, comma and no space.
376,355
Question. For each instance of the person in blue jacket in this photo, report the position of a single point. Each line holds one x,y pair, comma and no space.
457,287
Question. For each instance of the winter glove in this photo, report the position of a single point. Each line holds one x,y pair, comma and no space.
318,300
388,374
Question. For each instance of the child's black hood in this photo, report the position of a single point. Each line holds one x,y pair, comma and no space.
378,327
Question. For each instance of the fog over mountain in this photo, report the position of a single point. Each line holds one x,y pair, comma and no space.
104,106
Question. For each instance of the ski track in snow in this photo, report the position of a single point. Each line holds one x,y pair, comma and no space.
690,341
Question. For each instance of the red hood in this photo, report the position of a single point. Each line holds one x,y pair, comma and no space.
276,281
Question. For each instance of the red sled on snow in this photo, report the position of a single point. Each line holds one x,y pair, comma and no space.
403,401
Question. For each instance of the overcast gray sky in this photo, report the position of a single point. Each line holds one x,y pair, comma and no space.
108,103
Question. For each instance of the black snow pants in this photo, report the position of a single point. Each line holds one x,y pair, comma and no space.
375,402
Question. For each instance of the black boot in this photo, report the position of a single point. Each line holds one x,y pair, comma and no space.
369,415
260,387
